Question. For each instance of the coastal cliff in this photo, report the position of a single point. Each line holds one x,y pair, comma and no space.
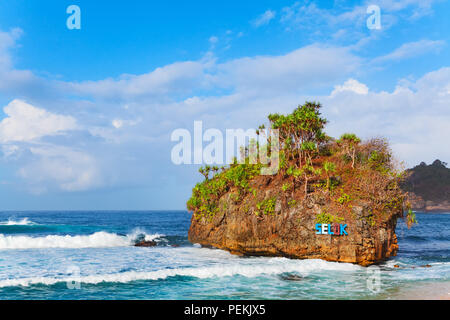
429,187
337,200
290,233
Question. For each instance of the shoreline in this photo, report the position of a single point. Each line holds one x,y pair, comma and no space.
431,211
423,291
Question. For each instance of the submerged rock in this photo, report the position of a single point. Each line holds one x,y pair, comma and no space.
144,243
291,277
141,242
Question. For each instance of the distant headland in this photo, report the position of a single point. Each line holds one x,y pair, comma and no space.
429,187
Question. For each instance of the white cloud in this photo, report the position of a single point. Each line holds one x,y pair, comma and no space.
9,150
174,79
120,123
213,41
308,13
398,5
297,70
265,18
351,85
62,168
322,23
14,81
414,118
25,122
117,123
304,15
236,93
300,69
43,165
8,41
412,49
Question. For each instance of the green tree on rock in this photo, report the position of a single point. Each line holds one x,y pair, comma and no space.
329,167
350,141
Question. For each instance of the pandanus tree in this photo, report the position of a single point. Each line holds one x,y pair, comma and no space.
301,134
350,141
215,169
205,171
329,167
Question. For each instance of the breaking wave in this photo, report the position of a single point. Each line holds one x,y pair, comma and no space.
97,240
23,222
273,267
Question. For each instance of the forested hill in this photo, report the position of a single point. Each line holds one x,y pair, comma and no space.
430,186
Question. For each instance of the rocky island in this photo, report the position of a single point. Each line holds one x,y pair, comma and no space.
331,199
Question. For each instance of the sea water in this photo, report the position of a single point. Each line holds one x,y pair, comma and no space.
90,255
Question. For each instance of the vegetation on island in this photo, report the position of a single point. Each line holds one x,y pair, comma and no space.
344,172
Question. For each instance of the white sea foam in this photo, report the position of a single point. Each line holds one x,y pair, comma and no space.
23,222
147,237
96,240
263,267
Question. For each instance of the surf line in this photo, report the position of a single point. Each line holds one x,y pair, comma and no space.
193,310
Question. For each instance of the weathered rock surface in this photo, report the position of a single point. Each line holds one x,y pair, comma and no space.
291,233
419,204
144,243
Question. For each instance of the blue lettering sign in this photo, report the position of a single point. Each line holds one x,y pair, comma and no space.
335,229
318,228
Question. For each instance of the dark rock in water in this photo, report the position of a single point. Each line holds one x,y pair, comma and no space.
141,242
292,277
145,243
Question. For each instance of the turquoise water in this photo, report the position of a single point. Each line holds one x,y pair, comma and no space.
90,255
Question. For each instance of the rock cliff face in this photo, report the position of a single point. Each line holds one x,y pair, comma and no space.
291,233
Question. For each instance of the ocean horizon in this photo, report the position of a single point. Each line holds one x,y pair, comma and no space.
91,255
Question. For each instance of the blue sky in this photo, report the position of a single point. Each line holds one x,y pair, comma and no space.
87,114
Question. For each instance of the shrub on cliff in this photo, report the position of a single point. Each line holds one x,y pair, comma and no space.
206,195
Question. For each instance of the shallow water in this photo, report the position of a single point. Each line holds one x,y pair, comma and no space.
90,255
